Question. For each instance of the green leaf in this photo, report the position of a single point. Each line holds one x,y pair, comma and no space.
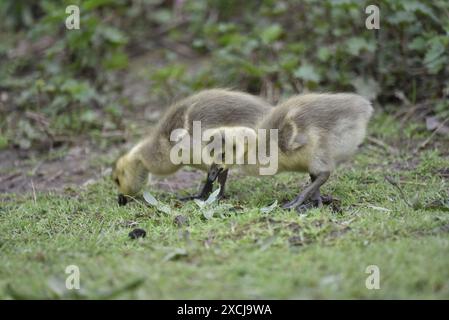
415,6
151,200
78,90
208,214
418,43
116,61
324,54
435,58
114,35
162,16
289,62
92,4
175,254
3,142
164,208
269,208
271,34
307,72
213,196
200,203
89,116
355,45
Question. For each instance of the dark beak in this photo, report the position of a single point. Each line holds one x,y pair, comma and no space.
122,200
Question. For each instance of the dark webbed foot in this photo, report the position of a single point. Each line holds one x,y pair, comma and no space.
214,173
311,192
318,203
307,206
205,191
292,204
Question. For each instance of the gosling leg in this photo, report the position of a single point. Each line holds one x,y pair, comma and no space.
313,189
316,199
212,175
222,176
316,196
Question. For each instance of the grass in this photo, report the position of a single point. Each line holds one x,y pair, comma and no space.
244,253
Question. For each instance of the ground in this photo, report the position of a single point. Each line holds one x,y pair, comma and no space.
71,101
391,211
241,253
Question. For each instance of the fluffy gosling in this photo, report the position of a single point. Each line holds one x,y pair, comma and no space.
216,108
316,133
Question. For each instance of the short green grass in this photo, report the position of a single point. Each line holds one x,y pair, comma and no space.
243,253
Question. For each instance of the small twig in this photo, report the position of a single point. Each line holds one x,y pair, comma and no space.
10,177
112,134
414,183
383,145
401,96
410,113
426,142
138,201
396,185
56,175
170,27
34,192
33,172
42,121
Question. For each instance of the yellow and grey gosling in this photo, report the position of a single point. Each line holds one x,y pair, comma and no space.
316,133
215,108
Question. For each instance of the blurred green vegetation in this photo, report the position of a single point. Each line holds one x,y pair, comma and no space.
69,82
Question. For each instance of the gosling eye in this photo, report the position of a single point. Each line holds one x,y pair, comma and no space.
117,181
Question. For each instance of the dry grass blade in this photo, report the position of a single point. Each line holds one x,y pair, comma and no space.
426,142
383,145
396,185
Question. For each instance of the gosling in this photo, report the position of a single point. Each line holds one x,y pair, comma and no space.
316,133
215,108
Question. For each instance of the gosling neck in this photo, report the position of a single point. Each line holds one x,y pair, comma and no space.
153,153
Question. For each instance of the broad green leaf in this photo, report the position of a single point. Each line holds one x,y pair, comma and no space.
92,4
435,58
116,61
200,203
89,116
418,43
271,34
355,45
269,208
175,254
3,142
324,54
164,208
114,35
208,214
307,72
213,197
150,199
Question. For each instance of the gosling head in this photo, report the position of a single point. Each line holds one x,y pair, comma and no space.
130,175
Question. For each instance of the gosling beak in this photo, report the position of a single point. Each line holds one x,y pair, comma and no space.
122,200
